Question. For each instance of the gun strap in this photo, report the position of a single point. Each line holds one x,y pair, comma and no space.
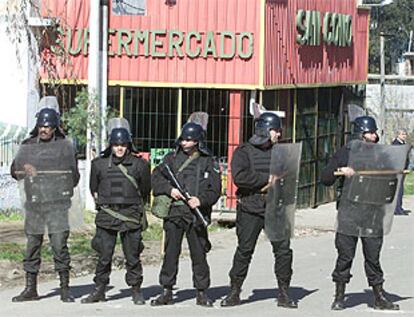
188,161
182,167
130,178
197,185
119,216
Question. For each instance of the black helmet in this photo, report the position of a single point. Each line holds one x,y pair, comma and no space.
47,117
268,120
192,131
120,136
364,124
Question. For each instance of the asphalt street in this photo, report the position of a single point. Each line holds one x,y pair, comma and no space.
314,258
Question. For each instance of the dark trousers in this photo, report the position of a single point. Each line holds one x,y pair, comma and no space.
371,248
198,245
58,242
398,207
248,228
104,244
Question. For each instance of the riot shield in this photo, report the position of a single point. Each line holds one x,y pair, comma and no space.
367,202
46,174
115,123
281,196
48,102
355,111
201,118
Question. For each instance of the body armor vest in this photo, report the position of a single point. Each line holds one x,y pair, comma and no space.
189,177
259,162
116,188
260,159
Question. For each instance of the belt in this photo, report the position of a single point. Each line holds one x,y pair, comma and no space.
119,216
252,194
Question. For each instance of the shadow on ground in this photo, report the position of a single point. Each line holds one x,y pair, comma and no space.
367,297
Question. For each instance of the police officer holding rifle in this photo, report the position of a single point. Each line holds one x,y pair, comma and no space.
191,180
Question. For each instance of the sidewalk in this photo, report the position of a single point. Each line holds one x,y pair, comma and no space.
314,258
323,217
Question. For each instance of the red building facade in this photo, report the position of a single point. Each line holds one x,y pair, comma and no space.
298,56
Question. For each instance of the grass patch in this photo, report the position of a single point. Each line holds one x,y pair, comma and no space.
79,243
12,252
153,232
409,184
89,216
214,227
7,215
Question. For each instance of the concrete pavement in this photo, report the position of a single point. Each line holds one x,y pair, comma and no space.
314,258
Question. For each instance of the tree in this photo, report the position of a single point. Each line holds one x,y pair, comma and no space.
395,21
80,117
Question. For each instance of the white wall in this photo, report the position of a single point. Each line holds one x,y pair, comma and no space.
17,80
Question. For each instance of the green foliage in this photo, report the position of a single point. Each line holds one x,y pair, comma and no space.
409,184
7,215
395,21
76,119
82,116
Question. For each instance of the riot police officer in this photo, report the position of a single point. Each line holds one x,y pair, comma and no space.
45,152
195,170
120,182
365,130
250,171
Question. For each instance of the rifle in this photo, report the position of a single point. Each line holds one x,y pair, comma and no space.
183,192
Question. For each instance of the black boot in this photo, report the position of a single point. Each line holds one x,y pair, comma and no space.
339,301
166,298
97,295
65,294
137,296
380,302
203,299
233,297
30,291
283,299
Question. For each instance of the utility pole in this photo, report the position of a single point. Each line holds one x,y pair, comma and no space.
93,88
104,73
383,111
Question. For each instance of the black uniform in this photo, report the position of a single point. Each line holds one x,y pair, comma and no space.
115,192
47,211
202,180
346,244
250,171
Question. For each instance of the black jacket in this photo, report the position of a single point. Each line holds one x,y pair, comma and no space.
207,187
339,159
250,171
139,169
397,141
